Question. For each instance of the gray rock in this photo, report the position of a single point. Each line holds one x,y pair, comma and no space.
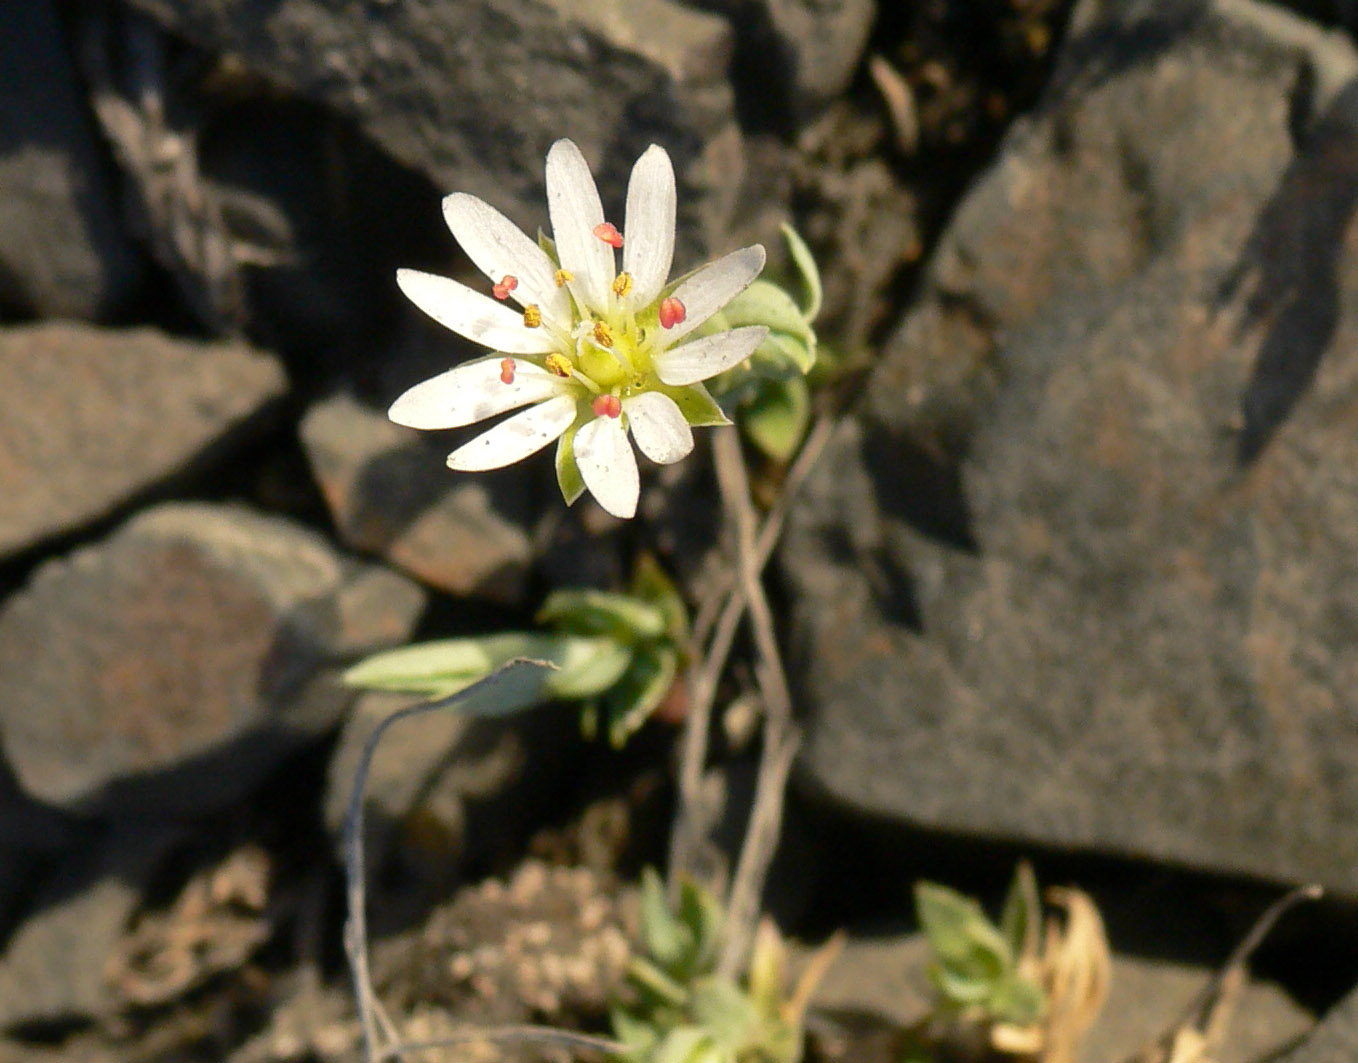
1335,1038
165,670
62,250
391,494
445,789
1148,645
89,418
53,968
473,94
825,39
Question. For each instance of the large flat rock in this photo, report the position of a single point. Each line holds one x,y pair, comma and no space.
165,670
472,94
1084,572
89,418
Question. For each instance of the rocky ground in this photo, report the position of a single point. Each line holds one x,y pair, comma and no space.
1075,580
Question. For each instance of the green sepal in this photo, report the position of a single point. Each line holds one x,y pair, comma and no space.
568,476
584,611
639,691
775,419
697,405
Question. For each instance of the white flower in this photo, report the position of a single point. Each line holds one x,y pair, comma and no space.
594,353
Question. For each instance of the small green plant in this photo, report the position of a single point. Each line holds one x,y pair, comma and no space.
770,389
616,654
682,1011
982,971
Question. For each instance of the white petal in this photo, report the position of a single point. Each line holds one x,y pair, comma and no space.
608,466
468,313
471,393
704,358
659,428
712,287
648,249
574,206
515,438
500,248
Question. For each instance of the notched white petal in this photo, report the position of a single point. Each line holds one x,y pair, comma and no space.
515,438
704,358
499,249
608,466
575,209
469,313
471,393
648,247
658,426
713,286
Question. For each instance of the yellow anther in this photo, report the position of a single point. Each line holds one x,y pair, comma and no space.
559,364
563,277
603,335
622,284
532,316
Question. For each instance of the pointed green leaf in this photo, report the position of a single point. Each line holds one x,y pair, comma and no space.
765,303
664,937
806,266
962,938
1017,1000
719,1006
690,1044
589,666
652,584
702,913
781,356
1021,917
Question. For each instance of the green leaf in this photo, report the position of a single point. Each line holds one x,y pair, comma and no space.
585,611
1017,1000
1022,913
568,476
781,356
960,989
589,666
967,945
806,266
690,1044
775,419
765,303
719,1006
640,691
702,913
664,937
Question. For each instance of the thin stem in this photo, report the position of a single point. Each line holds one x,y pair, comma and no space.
781,737
720,617
370,1011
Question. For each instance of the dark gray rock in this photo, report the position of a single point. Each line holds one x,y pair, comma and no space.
91,417
1142,638
825,40
63,252
165,670
391,494
472,94
1335,1038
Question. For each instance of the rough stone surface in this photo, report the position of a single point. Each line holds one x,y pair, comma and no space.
391,494
91,417
166,669
1125,392
825,41
53,968
473,94
62,250
1335,1038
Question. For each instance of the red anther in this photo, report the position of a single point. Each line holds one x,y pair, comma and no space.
608,233
607,406
507,371
671,312
507,284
